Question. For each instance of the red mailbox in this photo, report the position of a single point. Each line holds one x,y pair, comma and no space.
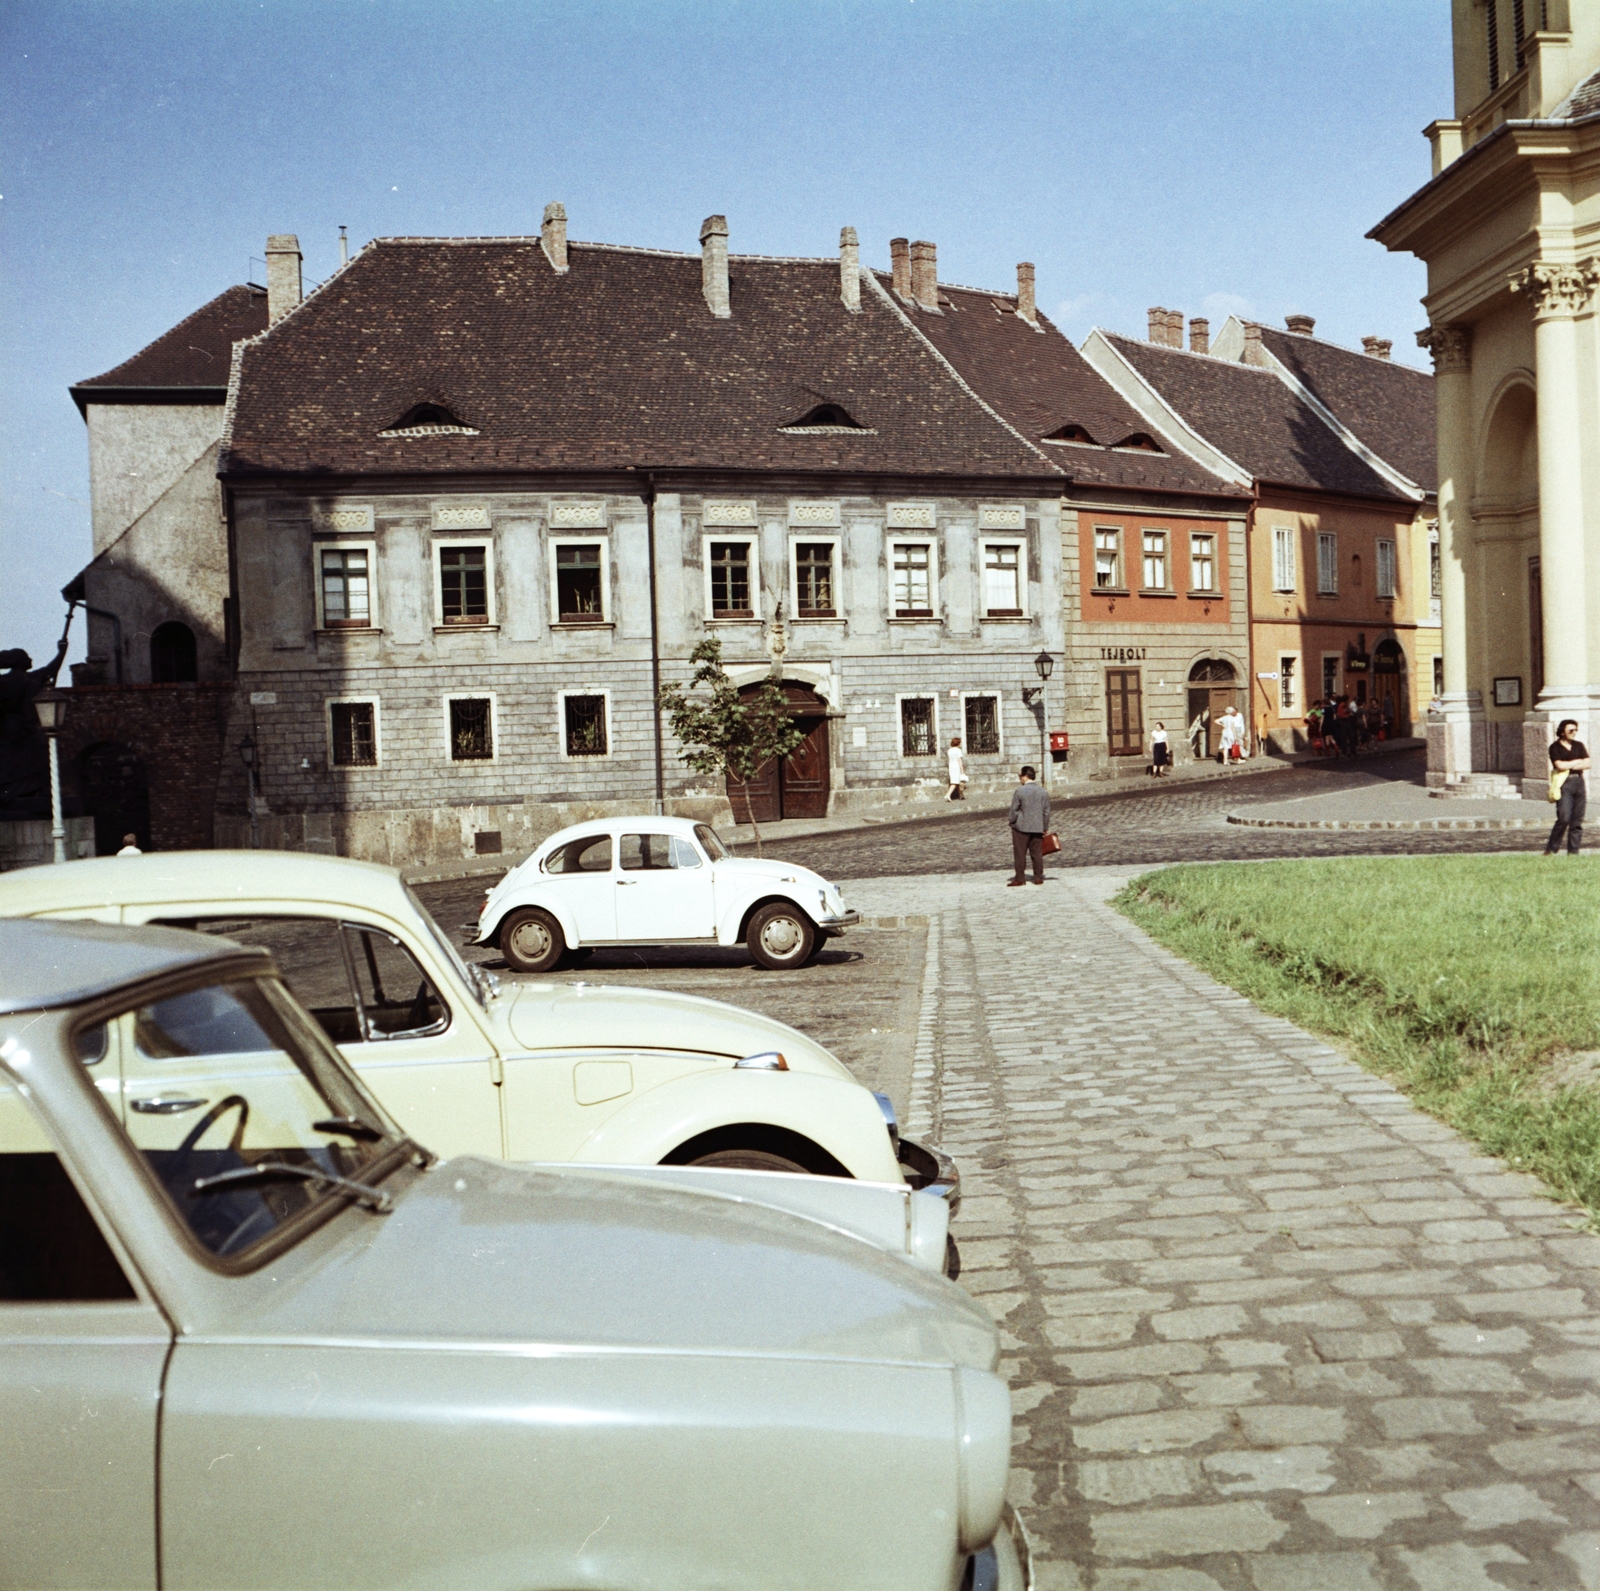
1058,740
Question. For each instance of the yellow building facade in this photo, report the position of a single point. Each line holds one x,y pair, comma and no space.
1509,228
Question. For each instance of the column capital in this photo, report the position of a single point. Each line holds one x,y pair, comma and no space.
1451,347
1556,289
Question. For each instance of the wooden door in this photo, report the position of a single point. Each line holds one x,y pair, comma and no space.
764,793
805,772
1124,712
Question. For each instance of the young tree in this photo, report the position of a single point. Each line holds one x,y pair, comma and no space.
724,734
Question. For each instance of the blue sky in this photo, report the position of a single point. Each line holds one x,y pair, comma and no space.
1208,155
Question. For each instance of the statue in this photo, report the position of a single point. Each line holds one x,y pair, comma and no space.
777,641
24,758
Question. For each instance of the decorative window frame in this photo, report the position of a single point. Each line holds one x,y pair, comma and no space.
998,697
1391,544
450,517
902,697
835,539
985,541
721,513
370,548
1003,517
1328,566
912,516
493,699
1296,706
586,515
751,539
931,541
1120,589
328,705
344,519
561,726
1215,588
604,544
809,513
455,539
1285,559
1165,533
1338,674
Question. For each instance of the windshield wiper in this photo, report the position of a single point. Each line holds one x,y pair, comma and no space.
364,1193
350,1126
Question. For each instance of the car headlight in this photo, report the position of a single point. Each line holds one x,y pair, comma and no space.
983,1430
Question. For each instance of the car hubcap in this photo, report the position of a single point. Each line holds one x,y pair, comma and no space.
531,941
781,937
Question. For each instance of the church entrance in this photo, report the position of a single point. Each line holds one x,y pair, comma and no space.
798,786
1213,689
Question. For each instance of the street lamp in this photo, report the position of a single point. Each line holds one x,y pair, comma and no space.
247,755
51,706
1035,695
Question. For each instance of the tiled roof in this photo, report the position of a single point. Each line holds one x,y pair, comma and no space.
1389,406
1584,100
1041,383
198,350
1250,415
616,364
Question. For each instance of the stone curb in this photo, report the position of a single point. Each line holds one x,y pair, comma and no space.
1388,823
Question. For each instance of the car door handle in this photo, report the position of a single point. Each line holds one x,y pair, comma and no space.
158,1106
622,881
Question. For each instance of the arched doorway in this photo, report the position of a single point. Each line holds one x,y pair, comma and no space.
115,793
1213,689
172,654
1389,686
798,786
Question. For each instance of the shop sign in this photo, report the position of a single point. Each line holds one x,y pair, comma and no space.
1122,654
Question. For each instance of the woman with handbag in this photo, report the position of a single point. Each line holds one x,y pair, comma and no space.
1569,757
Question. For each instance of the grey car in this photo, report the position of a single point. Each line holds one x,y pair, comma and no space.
252,1335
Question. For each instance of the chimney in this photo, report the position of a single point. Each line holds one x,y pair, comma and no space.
714,264
1378,347
849,270
553,236
1199,336
925,275
1158,327
1254,354
1174,328
900,265
1300,325
1026,306
283,275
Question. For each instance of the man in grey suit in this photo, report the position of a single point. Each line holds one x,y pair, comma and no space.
1029,818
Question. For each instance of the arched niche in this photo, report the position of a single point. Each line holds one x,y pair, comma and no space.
1508,453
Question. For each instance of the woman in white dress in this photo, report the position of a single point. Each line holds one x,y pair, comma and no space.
1229,736
958,771
1160,751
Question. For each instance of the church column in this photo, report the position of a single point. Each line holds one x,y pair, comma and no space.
1560,294
1456,736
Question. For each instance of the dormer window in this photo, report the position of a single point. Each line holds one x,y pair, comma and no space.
1071,433
1138,442
428,419
824,418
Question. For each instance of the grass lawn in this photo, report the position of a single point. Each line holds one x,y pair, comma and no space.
1458,978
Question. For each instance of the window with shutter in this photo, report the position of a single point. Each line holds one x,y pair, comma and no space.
1386,569
1327,564
1283,570
1124,712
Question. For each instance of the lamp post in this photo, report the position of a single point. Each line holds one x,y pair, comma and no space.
247,755
1044,665
51,706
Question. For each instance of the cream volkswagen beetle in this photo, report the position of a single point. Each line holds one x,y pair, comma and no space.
542,1072
294,1349
656,881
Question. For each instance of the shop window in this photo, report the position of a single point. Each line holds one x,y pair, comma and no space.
353,732
346,588
580,591
1124,712
913,580
813,580
1202,562
471,729
584,725
1002,580
1284,574
1327,564
1107,559
464,585
1155,560
918,728
983,726
730,580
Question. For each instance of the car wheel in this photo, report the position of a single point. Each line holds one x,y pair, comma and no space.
780,936
531,940
748,1160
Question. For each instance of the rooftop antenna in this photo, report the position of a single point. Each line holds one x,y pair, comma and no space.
344,247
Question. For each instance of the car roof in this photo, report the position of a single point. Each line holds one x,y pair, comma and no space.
220,876
632,824
53,964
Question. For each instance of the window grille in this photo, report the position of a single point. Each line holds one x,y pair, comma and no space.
1155,560
917,737
1002,580
913,583
813,572
1284,574
1330,676
585,726
346,591
983,726
730,580
355,740
1386,569
471,734
1288,685
464,585
1108,560
579,598
1202,563
1435,570
1327,564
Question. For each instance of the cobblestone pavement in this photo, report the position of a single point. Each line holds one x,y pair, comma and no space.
1268,1327
1183,823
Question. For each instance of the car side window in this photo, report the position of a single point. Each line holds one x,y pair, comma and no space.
398,999
683,853
590,854
650,853
51,1250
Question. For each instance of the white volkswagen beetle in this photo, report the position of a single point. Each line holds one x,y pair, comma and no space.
656,881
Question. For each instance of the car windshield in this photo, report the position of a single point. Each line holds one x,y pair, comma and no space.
245,1115
714,848
449,951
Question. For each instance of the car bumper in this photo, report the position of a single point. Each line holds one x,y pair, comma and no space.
923,1166
1006,1564
833,925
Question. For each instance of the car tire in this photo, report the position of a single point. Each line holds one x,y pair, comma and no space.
780,936
749,1160
531,940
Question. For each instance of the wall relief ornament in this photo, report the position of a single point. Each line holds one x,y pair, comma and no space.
1451,347
1557,289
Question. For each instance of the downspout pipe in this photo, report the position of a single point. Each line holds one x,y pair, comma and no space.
655,644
